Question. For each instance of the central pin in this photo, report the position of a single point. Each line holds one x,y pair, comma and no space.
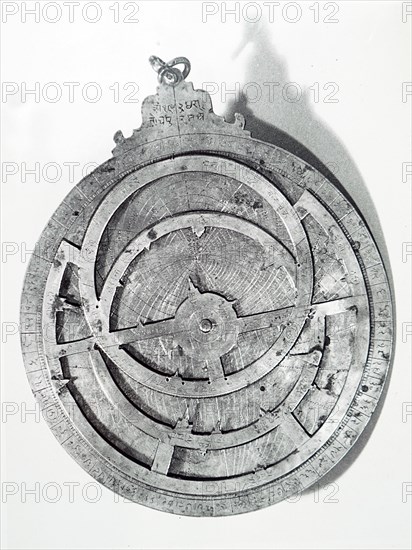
206,325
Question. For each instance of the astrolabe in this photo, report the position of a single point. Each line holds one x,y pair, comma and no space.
206,320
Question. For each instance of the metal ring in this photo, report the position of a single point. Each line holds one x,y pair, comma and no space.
168,73
181,61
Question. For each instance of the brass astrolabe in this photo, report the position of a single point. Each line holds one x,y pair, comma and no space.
206,319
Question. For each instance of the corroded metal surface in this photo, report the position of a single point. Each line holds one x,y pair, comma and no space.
206,319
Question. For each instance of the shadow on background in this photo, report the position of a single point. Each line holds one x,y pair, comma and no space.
295,127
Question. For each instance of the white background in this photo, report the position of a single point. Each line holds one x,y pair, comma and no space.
364,138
